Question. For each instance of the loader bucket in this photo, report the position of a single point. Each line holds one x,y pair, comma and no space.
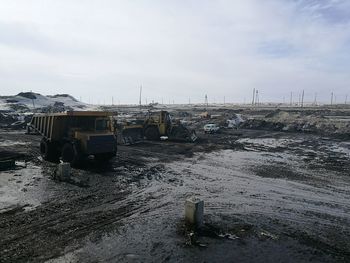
130,136
181,133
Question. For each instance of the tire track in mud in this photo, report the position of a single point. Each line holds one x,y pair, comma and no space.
57,226
44,232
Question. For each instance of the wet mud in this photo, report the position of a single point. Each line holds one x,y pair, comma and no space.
269,197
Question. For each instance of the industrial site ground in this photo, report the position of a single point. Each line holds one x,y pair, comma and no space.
270,195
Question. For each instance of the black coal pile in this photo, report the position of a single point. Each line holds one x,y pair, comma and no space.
56,107
6,119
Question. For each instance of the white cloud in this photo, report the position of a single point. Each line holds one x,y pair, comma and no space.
175,49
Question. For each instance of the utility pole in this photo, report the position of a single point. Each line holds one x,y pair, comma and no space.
332,98
302,99
315,100
346,99
189,101
253,96
206,100
291,98
257,97
140,102
112,101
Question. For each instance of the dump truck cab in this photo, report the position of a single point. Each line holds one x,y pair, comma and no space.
96,139
73,136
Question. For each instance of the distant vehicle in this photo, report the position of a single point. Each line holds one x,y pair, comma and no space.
205,115
211,128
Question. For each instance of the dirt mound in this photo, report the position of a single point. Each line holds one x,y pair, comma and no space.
6,119
28,95
280,115
63,96
56,107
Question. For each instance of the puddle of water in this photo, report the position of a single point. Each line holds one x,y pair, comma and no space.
18,188
269,142
327,148
343,148
6,143
338,118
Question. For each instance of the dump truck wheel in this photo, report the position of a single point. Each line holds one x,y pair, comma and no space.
104,157
48,150
70,154
152,134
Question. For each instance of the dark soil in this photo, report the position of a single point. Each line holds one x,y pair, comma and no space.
269,197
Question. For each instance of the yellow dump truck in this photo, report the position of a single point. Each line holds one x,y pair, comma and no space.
75,135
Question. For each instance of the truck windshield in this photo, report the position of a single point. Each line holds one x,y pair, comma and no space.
101,125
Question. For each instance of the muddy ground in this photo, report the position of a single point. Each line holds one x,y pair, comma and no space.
269,197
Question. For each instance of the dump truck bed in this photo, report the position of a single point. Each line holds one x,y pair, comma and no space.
53,126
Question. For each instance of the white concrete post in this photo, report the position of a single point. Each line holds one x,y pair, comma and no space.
64,171
194,210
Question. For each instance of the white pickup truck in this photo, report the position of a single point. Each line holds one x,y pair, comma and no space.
211,128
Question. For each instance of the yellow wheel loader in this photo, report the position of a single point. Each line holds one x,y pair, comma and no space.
155,126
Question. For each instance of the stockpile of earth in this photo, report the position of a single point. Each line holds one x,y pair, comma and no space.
17,110
34,102
300,122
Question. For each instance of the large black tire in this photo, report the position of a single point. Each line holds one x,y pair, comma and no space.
152,133
70,154
104,157
48,150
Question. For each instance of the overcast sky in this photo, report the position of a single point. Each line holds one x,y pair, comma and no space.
176,49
